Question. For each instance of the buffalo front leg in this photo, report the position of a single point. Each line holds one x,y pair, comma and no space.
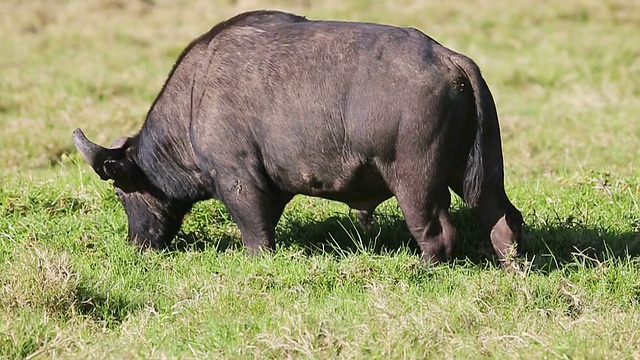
497,215
256,212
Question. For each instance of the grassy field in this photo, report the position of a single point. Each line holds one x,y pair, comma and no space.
565,78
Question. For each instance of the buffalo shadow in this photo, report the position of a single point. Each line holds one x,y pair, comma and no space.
105,307
547,246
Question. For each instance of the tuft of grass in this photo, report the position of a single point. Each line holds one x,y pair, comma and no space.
50,282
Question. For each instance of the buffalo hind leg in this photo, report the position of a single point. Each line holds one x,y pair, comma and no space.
503,222
498,218
429,222
278,204
365,219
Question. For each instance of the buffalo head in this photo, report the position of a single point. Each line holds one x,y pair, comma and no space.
153,218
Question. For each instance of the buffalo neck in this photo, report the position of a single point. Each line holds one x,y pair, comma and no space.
168,162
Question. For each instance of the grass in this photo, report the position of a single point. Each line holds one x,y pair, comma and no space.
564,76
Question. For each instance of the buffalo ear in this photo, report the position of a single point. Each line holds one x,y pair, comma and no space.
121,142
126,174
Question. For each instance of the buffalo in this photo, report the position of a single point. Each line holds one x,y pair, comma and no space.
267,105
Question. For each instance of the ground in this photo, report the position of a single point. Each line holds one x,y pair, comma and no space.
565,78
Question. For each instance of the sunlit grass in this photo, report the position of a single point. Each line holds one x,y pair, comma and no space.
564,76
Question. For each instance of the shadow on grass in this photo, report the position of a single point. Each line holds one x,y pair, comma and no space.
550,247
339,235
197,241
105,307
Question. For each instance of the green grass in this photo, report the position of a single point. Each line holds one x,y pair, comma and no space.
565,78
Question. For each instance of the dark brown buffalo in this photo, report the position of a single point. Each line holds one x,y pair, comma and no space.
268,105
